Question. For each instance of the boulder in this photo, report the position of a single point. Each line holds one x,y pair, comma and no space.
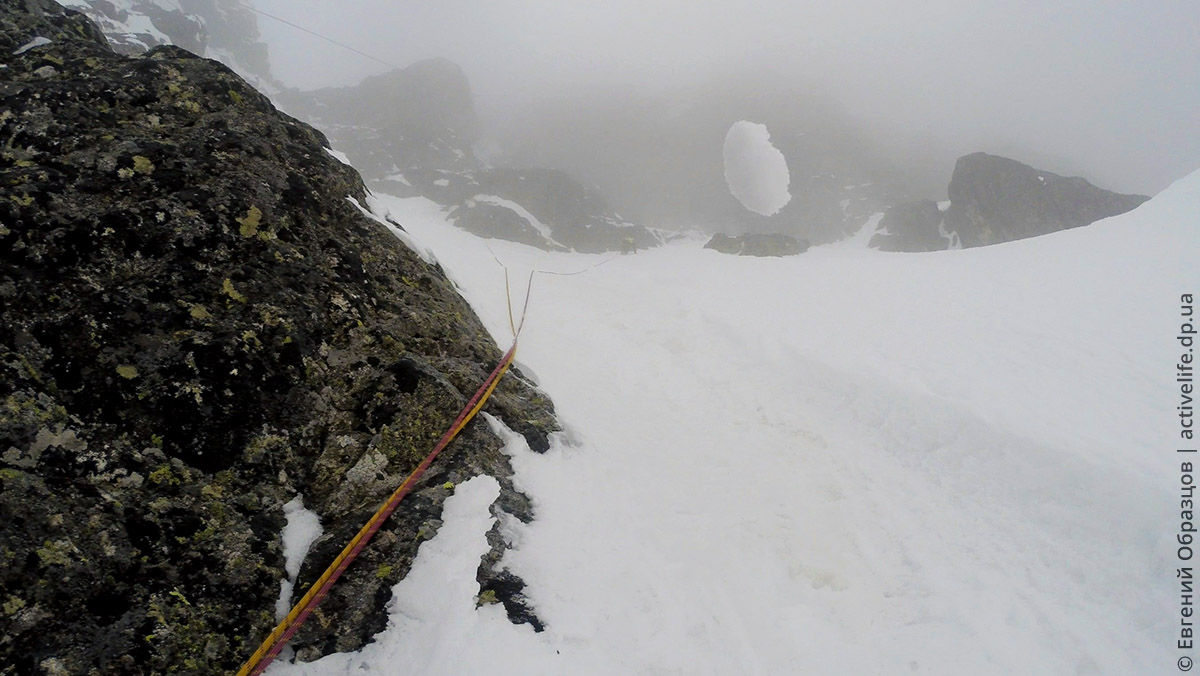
198,326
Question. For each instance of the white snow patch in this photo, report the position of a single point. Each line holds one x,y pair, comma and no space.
434,627
399,178
379,212
542,228
302,529
952,239
862,238
943,206
441,182
32,44
755,171
339,156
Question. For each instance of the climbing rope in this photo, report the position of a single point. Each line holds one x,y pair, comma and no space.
279,637
283,632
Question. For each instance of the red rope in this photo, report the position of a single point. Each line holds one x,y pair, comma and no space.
270,647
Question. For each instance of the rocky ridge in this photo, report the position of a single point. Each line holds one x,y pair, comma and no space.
994,200
415,132
202,322
225,30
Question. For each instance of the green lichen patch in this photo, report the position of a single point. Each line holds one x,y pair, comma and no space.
142,165
249,222
12,605
228,289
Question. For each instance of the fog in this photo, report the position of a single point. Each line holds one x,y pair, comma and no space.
1102,89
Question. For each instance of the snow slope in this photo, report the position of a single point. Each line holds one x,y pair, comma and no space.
845,462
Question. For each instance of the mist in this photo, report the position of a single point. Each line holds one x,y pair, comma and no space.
1103,90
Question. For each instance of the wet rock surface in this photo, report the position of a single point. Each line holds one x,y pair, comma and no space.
199,325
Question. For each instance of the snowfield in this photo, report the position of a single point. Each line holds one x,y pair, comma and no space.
844,462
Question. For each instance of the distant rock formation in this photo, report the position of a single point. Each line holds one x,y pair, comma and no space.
414,132
914,226
659,155
420,118
993,200
542,207
198,326
757,244
225,30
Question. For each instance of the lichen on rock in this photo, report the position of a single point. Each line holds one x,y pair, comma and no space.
187,346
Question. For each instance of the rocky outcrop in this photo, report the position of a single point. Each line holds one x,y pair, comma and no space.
915,226
199,325
225,30
414,132
757,244
541,207
995,199
418,118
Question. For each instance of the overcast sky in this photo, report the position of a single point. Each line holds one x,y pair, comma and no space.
1109,90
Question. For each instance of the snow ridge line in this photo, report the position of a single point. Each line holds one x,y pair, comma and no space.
284,631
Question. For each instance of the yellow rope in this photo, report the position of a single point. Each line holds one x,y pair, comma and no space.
288,626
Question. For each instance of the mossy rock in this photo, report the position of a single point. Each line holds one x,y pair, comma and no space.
199,325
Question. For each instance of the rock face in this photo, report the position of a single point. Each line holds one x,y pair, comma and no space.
915,226
542,207
418,118
995,199
755,244
199,325
225,30
414,132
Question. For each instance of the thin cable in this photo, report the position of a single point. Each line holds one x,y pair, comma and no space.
579,272
525,308
316,34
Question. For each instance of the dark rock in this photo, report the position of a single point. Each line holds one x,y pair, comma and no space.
756,244
197,326
995,199
576,218
226,30
915,226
